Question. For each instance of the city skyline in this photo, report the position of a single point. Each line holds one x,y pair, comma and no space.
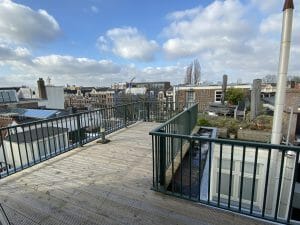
95,42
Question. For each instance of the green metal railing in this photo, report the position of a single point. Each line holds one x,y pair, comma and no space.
249,178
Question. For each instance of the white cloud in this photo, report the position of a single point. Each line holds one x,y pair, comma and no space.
226,39
20,24
94,9
13,54
219,25
128,43
58,64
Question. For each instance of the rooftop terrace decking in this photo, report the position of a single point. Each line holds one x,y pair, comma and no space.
102,184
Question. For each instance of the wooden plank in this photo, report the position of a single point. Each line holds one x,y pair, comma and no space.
102,184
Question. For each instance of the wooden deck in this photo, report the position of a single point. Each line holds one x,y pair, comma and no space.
102,184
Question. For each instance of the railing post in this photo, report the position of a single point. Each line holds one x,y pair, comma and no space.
79,129
125,115
162,157
189,119
148,111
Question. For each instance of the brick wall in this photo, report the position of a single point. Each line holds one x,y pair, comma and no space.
254,135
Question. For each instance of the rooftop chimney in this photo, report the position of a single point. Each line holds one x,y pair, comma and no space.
224,87
289,4
42,88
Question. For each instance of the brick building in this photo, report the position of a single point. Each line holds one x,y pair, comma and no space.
203,95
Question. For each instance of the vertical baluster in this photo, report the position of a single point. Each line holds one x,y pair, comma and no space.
230,176
19,150
279,184
181,172
53,136
172,158
31,142
48,137
153,159
209,168
4,153
37,141
190,168
200,169
44,144
254,180
63,133
220,172
296,166
242,179
266,183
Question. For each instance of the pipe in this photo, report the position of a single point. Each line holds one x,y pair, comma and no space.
282,72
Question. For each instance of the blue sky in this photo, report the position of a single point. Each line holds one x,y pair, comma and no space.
99,42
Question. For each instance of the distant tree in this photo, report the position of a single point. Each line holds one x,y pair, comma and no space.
196,72
269,79
193,72
294,78
234,95
188,74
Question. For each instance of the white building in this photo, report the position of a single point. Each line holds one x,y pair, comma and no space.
55,98
29,146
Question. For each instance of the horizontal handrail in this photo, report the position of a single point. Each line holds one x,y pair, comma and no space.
227,141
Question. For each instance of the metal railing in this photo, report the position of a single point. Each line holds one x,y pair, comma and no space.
250,178
25,145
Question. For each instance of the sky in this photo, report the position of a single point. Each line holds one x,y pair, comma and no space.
100,42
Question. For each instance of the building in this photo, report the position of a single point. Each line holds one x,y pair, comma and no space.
204,95
153,88
9,99
33,145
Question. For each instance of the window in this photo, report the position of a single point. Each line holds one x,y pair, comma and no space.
190,97
218,96
236,180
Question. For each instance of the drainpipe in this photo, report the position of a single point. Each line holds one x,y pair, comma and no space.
275,164
282,70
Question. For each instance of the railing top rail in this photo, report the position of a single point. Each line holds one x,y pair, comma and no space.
157,129
38,121
228,141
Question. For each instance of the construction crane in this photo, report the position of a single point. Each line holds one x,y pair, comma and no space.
130,82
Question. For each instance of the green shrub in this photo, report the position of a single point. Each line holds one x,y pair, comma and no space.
234,95
204,122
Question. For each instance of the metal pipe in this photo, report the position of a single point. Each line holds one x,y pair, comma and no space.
282,71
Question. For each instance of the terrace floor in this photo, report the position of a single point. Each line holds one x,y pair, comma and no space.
102,184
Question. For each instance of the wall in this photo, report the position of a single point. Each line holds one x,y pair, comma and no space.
204,95
254,135
55,98
30,151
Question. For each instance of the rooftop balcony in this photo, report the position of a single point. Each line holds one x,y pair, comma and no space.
102,184
55,172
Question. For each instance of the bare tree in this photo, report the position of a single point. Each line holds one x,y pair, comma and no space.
188,74
193,72
269,79
196,71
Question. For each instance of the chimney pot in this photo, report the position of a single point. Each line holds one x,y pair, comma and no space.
288,4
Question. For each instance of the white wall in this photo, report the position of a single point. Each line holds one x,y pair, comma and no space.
55,98
248,173
46,146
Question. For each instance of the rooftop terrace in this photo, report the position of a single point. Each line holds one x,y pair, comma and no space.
103,184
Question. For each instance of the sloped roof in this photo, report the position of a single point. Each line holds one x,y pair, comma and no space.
36,134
